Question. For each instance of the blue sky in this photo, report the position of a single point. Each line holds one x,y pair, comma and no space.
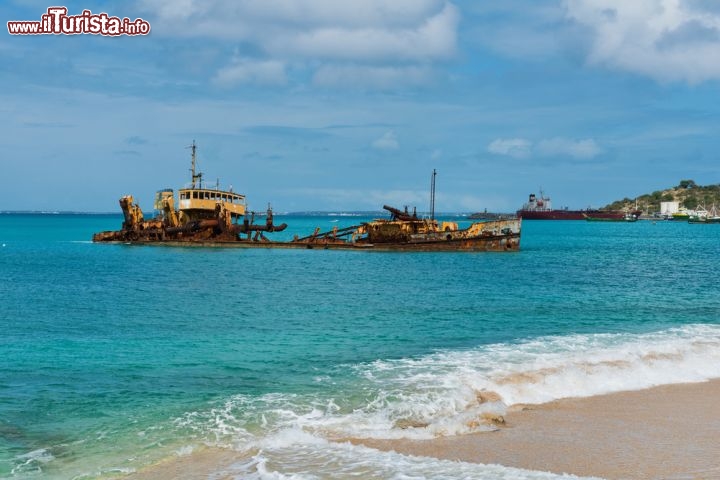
327,105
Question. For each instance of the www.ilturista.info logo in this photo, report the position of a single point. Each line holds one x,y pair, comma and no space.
57,22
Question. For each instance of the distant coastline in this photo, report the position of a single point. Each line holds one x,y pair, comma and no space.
689,194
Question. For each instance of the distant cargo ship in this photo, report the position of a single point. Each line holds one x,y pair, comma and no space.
541,209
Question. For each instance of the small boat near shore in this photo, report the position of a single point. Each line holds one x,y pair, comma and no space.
213,217
701,215
704,220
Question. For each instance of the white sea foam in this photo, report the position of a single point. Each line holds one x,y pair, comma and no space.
452,393
295,455
446,393
32,461
184,450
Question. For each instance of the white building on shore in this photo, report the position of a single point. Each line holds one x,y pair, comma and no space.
668,208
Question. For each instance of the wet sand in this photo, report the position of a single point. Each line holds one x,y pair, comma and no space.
669,432
207,462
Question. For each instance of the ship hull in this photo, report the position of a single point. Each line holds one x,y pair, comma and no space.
569,214
501,243
704,220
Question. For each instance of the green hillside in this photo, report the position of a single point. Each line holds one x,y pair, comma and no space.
688,193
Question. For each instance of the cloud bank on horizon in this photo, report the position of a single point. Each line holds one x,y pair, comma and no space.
313,104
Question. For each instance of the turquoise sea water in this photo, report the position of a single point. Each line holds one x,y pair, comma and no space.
113,357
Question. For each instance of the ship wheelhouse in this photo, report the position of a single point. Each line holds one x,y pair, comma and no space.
196,202
200,202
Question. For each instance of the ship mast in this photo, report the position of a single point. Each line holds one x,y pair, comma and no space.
432,195
195,176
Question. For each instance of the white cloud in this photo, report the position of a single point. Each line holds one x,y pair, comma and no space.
341,43
261,72
512,147
297,12
553,147
581,149
317,29
387,142
433,38
669,40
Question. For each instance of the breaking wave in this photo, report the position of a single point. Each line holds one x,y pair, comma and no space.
298,456
458,392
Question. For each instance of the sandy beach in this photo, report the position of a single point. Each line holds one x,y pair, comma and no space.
668,432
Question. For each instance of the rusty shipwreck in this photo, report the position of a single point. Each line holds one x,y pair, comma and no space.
204,214
214,217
